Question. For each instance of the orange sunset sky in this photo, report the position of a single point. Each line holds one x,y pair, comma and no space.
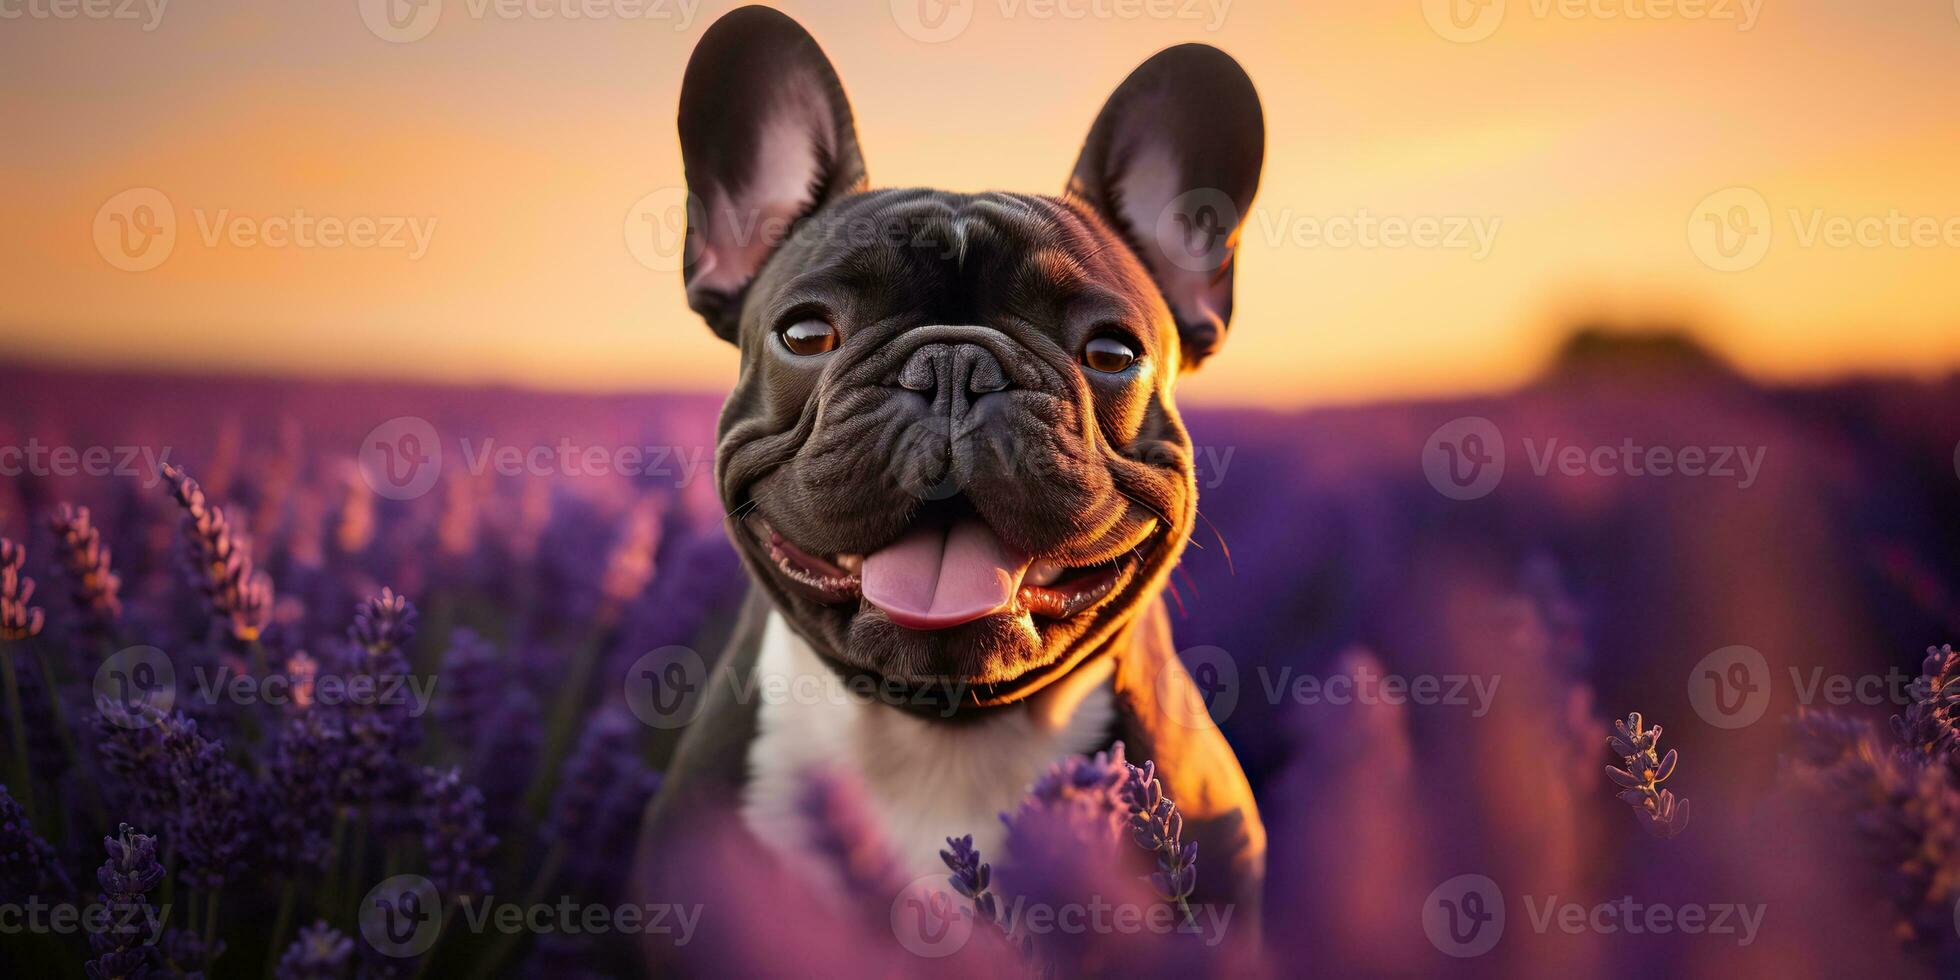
1582,138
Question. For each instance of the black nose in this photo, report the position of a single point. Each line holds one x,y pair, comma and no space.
952,372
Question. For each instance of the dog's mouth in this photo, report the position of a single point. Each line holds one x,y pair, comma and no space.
948,569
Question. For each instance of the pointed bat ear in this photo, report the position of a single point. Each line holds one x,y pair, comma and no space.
767,140
1172,163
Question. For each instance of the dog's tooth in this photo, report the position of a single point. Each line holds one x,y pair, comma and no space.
1044,572
850,563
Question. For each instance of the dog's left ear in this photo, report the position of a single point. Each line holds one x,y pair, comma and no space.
1172,163
767,140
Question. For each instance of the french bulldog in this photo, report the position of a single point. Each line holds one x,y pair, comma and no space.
952,461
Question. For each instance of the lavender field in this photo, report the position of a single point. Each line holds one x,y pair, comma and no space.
266,672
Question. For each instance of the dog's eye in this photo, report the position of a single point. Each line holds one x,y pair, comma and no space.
810,337
1109,354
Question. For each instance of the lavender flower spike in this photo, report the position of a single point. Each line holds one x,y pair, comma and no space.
1646,769
971,877
222,561
1931,723
126,879
27,863
320,953
452,834
18,620
94,584
1157,826
384,624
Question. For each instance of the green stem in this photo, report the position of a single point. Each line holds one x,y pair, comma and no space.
560,727
357,868
210,929
23,789
330,890
287,896
546,875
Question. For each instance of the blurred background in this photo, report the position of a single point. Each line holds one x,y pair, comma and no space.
1583,140
272,242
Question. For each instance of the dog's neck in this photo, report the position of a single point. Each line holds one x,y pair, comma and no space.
924,779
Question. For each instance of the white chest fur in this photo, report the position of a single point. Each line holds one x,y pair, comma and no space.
925,780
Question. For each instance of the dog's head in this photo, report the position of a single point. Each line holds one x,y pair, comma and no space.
953,457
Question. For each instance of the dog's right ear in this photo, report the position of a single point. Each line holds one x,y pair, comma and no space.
767,139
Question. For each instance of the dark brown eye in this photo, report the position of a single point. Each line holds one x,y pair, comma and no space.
810,337
1109,354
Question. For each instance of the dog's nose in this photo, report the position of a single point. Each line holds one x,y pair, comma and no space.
952,369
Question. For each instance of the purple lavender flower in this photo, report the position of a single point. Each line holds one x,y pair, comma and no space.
213,828
1904,810
96,588
27,863
971,877
472,680
1656,809
129,741
1931,723
505,758
126,879
1080,795
846,836
1157,826
320,953
600,799
301,776
221,562
185,953
18,619
384,625
380,737
453,838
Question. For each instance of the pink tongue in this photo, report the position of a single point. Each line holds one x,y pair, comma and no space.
941,575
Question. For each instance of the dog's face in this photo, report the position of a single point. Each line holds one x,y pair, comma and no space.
953,457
